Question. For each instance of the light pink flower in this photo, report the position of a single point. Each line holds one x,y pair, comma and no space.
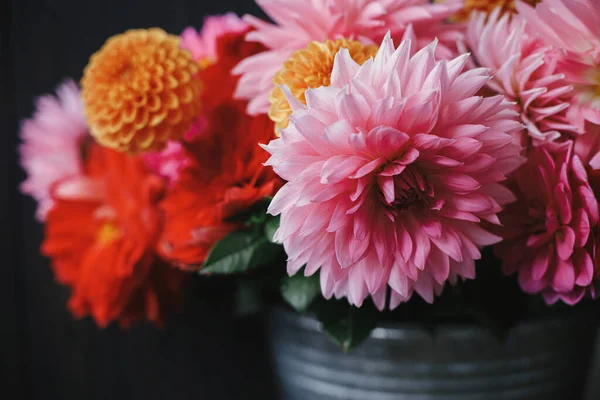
546,231
572,26
525,72
297,23
52,141
203,44
390,171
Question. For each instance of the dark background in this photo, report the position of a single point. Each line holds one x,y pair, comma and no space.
44,354
203,354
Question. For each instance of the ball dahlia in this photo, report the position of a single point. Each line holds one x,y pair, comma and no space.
546,232
310,68
299,23
390,171
52,144
572,26
524,71
140,90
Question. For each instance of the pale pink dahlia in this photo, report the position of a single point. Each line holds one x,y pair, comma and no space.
390,171
297,23
524,71
52,141
572,26
546,231
203,44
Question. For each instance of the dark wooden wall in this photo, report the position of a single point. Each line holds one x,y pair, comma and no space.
204,353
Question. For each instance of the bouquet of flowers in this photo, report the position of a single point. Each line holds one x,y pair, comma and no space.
353,158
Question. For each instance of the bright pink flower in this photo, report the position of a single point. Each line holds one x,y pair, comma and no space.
203,44
52,144
525,72
297,23
546,231
390,171
572,26
168,162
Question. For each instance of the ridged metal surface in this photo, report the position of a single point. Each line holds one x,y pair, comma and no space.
545,360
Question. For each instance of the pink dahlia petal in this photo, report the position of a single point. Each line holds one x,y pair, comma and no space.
553,217
374,202
572,26
52,141
524,73
168,162
203,44
296,24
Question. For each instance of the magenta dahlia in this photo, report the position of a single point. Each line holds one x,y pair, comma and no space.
524,70
546,231
390,171
573,27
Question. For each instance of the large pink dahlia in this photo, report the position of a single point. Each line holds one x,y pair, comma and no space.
390,171
297,23
572,26
524,71
52,140
547,230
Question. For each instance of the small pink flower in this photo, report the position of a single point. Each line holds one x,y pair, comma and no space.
297,23
572,26
390,171
52,144
524,70
168,162
203,44
547,230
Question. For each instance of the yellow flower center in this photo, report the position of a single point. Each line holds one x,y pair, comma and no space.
108,232
310,68
487,6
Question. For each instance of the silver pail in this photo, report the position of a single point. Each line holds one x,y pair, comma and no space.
545,359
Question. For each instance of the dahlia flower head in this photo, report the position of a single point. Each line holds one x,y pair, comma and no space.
390,171
572,26
296,24
101,235
203,44
548,241
51,144
205,49
525,71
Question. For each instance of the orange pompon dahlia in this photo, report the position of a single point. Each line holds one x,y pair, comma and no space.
310,68
508,6
100,237
141,90
224,175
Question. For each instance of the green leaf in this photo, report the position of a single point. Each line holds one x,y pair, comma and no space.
348,326
271,226
299,291
240,251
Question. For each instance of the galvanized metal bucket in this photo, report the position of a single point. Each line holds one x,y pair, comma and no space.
545,359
